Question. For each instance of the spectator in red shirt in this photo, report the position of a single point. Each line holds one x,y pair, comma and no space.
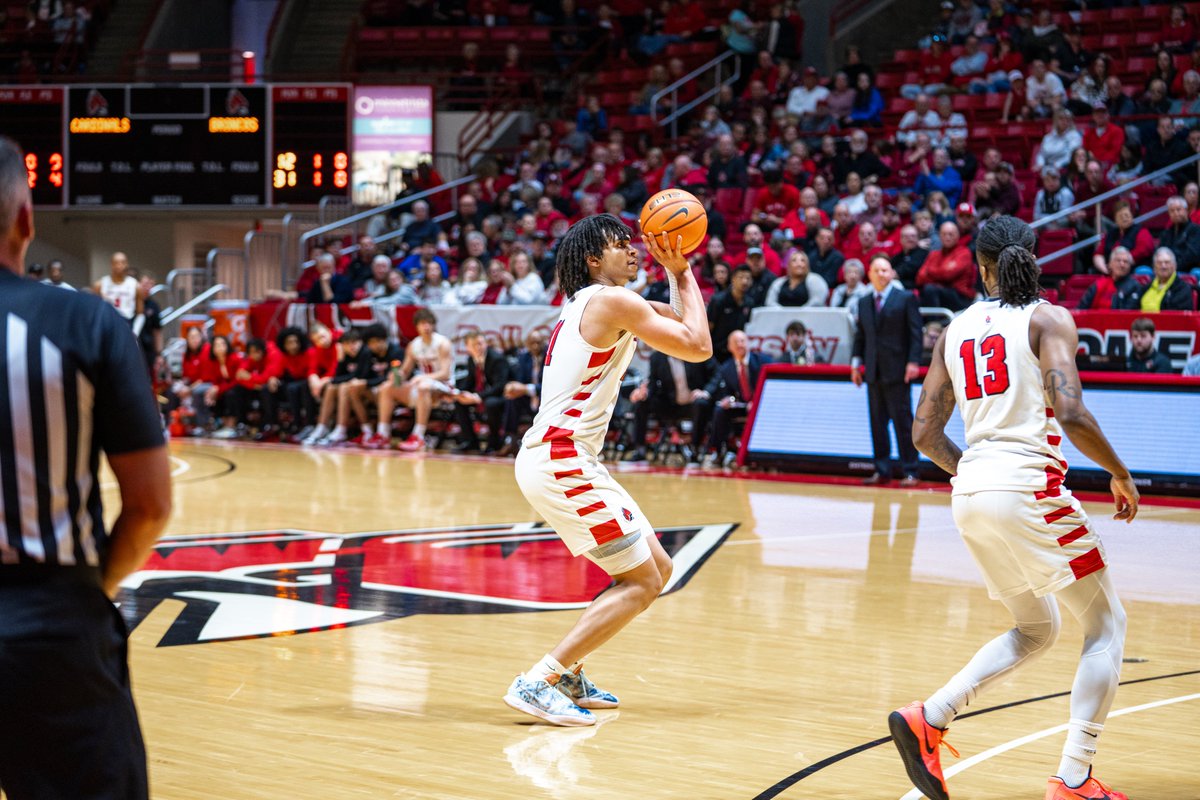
1178,34
766,72
687,18
867,246
1103,140
889,231
220,373
774,201
188,391
547,215
845,232
292,386
933,70
947,278
259,378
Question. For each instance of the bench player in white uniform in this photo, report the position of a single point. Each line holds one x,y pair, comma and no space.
120,289
558,467
1008,363
428,363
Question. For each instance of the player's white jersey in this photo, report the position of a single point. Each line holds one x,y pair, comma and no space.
580,384
426,355
1013,440
121,296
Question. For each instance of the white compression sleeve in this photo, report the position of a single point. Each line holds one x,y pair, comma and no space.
676,300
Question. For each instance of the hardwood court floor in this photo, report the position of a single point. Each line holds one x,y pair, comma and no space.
825,608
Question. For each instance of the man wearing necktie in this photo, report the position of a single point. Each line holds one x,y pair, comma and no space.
481,393
667,395
887,348
523,390
729,394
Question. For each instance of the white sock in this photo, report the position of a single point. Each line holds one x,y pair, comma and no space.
943,706
385,429
1078,752
419,432
545,668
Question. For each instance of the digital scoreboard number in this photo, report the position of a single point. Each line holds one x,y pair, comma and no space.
310,149
191,145
33,117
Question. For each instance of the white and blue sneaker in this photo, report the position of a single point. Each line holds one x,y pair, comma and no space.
541,700
584,693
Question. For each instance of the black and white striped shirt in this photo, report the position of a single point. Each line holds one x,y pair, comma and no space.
72,383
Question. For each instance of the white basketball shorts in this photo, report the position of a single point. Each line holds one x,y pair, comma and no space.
589,510
1025,543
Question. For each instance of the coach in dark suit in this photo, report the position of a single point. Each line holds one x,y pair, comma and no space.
667,395
482,391
887,345
524,388
728,394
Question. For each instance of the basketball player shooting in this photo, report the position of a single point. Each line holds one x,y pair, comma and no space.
1008,363
558,467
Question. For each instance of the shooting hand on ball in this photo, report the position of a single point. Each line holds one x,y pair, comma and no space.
668,253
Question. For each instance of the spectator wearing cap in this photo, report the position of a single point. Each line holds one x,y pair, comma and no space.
762,278
909,257
1167,292
824,258
1059,142
802,101
1044,91
1102,139
890,226
1006,197
968,224
1182,236
968,68
933,70
947,278
1052,198
921,118
939,177
752,236
1143,355
1016,103
1118,290
774,201
1126,233
799,287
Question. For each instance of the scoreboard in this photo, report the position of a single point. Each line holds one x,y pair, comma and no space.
197,145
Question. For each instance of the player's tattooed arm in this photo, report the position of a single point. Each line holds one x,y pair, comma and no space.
934,410
1057,382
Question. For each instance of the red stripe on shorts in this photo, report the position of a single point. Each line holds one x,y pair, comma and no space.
1066,539
606,531
594,507
581,395
570,473
1059,513
1054,480
578,490
573,412
1086,564
1054,441
561,445
1049,412
592,379
600,359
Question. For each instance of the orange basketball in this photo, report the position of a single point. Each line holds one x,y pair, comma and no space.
676,213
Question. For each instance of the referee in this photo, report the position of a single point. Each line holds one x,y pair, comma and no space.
72,383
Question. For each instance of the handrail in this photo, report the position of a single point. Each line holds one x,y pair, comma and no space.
673,90
1116,191
308,236
190,304
1095,239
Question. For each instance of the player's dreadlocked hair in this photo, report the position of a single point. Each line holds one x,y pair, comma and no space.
1008,243
588,237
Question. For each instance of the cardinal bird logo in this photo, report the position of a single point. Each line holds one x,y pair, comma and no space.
281,582
97,104
236,104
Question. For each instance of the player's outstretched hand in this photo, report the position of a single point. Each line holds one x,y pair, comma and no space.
1125,496
664,253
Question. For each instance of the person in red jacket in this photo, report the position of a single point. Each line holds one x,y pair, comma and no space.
219,372
322,365
948,276
258,380
188,390
774,201
1103,140
293,388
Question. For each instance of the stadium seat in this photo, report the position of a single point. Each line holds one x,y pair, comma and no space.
1051,241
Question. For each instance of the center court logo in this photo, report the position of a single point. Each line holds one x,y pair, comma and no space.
276,583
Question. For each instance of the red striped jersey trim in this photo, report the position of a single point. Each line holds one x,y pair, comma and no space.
1065,540
1086,564
1054,441
592,379
600,359
578,490
1059,513
1049,412
594,507
606,531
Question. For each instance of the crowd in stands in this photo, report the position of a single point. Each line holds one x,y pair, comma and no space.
43,38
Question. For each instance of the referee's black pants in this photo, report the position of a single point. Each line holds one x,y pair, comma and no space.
68,726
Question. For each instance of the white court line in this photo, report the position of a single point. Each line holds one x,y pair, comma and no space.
842,535
1033,737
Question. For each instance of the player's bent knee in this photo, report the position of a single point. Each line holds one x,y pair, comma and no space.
621,558
1040,636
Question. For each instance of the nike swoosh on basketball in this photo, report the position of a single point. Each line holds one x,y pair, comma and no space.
677,212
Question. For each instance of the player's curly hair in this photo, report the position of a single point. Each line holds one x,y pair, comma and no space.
588,237
1007,243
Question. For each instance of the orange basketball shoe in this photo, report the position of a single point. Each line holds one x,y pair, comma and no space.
918,743
1092,789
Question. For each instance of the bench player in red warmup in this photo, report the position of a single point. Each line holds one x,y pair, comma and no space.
1008,363
558,467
